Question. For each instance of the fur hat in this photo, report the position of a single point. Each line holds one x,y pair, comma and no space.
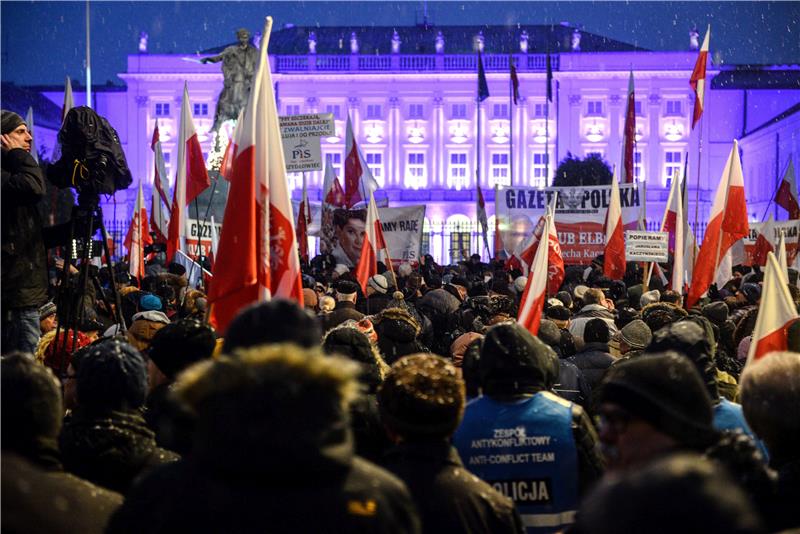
422,397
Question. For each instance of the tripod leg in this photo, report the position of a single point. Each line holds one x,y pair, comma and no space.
65,297
117,301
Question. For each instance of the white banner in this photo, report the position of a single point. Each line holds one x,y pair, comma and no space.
300,135
193,232
402,229
646,246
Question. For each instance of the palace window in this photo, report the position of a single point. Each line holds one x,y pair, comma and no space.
457,171
539,169
336,109
415,111
672,166
674,108
200,110
595,108
162,109
500,111
293,109
458,111
499,170
375,164
374,111
415,170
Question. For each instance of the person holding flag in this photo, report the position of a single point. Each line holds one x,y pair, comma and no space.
257,256
531,305
137,237
190,180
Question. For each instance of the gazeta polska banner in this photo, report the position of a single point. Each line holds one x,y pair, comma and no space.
198,237
579,216
790,231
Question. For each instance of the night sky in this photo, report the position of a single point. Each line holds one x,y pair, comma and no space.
44,41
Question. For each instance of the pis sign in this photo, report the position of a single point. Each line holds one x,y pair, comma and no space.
300,135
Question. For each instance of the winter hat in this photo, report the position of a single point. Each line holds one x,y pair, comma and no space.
520,283
31,409
649,298
665,390
552,301
10,121
511,357
150,302
179,345
422,397
635,294
752,292
636,334
346,288
692,340
112,376
565,298
549,333
579,291
176,268
274,321
367,328
717,312
557,313
46,310
595,331
378,283
352,343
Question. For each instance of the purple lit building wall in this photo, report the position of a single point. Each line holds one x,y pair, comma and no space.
411,97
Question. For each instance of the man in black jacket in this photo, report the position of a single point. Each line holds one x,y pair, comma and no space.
421,403
24,261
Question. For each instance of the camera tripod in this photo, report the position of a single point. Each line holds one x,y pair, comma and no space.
71,290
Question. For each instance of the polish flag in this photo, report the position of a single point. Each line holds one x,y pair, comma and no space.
214,242
190,180
764,243
673,222
332,192
786,197
257,256
358,180
69,100
159,199
614,253
226,165
303,220
698,79
781,255
532,303
137,237
525,254
727,225
775,314
629,135
373,243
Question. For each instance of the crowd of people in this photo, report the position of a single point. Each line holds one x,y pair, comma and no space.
418,405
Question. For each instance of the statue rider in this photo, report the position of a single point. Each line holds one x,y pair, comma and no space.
238,68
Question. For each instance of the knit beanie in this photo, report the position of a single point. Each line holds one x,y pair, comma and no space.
46,310
717,312
10,121
150,302
378,283
665,390
636,334
112,376
274,321
549,333
310,298
649,297
58,354
179,345
520,283
422,397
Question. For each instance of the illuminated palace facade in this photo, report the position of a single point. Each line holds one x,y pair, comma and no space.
411,94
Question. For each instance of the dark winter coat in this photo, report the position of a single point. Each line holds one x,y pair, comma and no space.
40,499
593,360
397,336
24,259
249,486
448,497
373,304
571,384
111,449
342,312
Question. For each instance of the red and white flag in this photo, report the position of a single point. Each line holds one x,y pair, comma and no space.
358,180
532,302
776,313
727,225
783,260
698,79
764,242
190,180
226,165
373,243
673,222
137,237
303,221
257,256
614,253
332,192
629,135
786,197
160,195
525,254
69,100
214,241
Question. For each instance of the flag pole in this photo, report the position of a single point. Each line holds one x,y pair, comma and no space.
511,109
88,59
772,198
